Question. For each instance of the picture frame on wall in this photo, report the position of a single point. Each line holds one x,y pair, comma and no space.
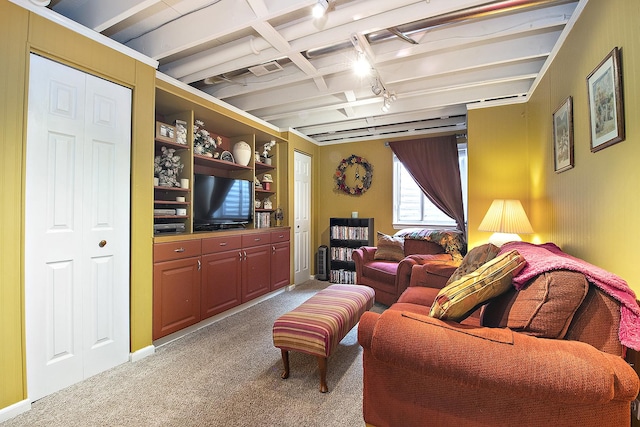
606,107
563,136
165,132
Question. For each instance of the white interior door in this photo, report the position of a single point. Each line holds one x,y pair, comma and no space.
302,217
76,226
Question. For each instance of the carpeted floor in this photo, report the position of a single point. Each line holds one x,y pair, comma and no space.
227,374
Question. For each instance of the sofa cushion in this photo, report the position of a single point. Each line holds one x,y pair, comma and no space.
383,271
543,308
421,247
474,259
389,248
458,300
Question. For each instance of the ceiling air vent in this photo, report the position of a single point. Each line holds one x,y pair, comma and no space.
267,68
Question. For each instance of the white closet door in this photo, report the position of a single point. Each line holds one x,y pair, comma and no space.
302,217
76,227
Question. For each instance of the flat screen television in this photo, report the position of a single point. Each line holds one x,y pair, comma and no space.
220,202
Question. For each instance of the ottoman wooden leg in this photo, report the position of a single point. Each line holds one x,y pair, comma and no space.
285,362
322,365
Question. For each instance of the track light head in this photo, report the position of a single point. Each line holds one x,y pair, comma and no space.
376,88
320,8
361,66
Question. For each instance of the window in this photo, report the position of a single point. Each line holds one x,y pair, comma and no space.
411,208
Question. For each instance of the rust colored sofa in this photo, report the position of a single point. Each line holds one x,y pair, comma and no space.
389,278
547,355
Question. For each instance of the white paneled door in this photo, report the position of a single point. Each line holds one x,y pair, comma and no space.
302,217
76,226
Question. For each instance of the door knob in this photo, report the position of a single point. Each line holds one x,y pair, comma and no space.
102,243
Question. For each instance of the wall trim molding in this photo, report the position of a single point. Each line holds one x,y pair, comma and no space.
142,353
14,410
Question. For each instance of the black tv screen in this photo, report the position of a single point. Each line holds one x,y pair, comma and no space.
218,200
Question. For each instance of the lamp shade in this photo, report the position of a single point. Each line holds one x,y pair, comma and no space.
506,216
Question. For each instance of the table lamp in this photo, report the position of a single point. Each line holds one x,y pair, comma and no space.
507,219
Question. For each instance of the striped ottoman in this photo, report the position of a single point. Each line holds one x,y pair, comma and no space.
319,324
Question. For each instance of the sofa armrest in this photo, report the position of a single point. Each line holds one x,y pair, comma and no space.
405,267
361,256
497,359
432,275
364,254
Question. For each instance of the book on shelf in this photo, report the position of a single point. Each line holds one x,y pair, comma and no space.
164,211
343,276
341,254
345,232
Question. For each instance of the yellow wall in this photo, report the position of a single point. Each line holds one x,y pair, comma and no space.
13,26
22,32
590,210
498,159
374,203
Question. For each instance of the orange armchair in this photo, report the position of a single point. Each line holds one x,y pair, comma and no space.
390,278
439,249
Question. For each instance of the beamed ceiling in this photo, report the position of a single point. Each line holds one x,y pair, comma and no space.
272,59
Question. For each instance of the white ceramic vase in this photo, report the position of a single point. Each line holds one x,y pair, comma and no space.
242,153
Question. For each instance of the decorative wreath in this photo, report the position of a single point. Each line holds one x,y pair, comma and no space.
363,181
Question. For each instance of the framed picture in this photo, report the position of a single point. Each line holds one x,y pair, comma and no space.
563,136
165,132
606,108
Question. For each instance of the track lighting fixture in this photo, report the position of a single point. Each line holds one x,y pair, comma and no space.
362,65
320,8
378,89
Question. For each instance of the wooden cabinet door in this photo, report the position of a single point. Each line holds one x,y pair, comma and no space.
176,295
280,265
256,271
221,282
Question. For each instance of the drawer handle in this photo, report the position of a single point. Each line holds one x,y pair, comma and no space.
223,244
282,236
257,239
179,250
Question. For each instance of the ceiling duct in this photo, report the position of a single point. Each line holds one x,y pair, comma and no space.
267,68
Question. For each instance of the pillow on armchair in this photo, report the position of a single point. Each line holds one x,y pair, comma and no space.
390,248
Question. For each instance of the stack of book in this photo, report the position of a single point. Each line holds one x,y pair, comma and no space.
164,211
262,220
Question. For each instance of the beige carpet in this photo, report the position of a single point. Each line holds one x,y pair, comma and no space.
227,374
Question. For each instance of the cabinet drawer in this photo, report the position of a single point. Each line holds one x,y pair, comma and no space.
220,244
176,250
280,236
255,239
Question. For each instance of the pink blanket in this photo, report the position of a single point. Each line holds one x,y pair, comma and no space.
548,257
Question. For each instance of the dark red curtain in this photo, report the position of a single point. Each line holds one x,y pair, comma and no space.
433,164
